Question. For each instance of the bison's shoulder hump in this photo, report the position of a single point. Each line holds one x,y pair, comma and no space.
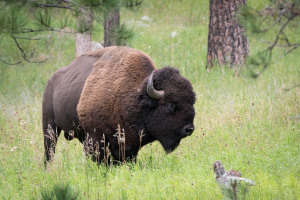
116,75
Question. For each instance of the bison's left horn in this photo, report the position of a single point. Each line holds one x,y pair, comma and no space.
153,93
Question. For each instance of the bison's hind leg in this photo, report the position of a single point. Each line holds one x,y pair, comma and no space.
51,134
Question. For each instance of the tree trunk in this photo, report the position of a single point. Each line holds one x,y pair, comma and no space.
226,43
111,26
84,37
83,43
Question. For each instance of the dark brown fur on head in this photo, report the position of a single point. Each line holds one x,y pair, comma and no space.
165,119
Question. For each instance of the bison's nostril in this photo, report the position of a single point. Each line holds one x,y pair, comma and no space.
188,129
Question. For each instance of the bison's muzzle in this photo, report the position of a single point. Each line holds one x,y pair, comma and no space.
187,130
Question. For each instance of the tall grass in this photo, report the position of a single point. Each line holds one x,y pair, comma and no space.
250,125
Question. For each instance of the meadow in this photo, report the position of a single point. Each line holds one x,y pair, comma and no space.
251,125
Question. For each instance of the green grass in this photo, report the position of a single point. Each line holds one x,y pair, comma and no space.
248,124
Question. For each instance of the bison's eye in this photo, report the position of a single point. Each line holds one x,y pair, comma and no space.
170,108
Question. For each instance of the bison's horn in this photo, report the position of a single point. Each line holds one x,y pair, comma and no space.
153,93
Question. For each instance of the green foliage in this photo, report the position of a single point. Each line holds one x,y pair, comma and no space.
249,17
44,18
12,19
60,191
258,63
26,19
122,35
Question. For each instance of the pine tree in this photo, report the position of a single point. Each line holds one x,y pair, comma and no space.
227,44
25,17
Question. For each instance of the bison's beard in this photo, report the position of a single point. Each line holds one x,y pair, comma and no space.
170,146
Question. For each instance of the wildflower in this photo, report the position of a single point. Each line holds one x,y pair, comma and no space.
14,148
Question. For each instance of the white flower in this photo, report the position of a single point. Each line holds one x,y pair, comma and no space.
14,148
173,34
146,18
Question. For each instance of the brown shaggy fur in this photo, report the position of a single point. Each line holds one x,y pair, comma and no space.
114,94
106,90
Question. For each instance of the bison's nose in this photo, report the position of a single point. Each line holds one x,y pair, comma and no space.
188,130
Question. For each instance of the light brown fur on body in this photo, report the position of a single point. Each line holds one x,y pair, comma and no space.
120,73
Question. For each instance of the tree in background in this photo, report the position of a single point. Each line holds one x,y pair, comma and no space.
83,38
280,19
116,33
111,25
24,19
227,44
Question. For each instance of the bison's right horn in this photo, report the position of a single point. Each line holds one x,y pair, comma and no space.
153,93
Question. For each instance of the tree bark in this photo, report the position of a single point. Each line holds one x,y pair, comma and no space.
111,26
84,37
227,44
83,43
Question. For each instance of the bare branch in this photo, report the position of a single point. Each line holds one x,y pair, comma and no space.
270,27
41,30
268,51
10,63
25,38
295,46
280,32
24,54
286,39
56,6
267,57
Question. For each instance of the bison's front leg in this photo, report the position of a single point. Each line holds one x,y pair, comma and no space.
120,156
131,159
51,134
97,149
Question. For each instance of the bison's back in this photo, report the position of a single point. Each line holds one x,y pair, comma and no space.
63,91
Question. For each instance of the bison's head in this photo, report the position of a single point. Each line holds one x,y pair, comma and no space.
168,104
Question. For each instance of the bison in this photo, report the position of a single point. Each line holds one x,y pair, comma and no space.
117,87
